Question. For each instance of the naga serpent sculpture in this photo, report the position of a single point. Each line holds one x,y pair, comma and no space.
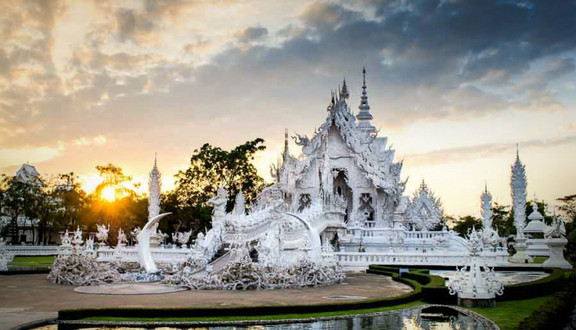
313,236
144,253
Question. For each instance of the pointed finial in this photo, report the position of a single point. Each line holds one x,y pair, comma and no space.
517,152
344,94
364,116
155,158
485,186
286,150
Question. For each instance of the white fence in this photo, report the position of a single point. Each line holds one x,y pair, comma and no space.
361,260
33,250
130,254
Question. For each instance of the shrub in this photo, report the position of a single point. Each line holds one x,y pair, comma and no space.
554,314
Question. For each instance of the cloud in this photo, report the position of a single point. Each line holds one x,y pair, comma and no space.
250,34
466,154
140,66
323,15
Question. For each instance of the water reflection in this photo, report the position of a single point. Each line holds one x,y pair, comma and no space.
415,319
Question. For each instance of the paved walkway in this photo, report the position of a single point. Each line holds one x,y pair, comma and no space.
27,298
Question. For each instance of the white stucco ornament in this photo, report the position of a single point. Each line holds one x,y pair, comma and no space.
476,280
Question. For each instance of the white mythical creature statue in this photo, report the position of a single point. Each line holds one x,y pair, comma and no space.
121,237
77,240
556,230
239,204
269,247
89,244
135,232
102,234
182,237
209,244
219,204
65,242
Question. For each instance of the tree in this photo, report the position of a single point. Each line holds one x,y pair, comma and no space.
184,217
211,167
466,223
568,209
17,200
503,220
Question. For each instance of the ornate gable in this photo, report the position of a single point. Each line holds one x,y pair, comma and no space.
425,210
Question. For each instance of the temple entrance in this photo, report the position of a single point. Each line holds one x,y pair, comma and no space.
341,188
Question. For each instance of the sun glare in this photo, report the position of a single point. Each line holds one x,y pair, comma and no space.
108,194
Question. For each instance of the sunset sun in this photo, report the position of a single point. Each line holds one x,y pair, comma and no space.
108,194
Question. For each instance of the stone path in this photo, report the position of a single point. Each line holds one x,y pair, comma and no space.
27,298
129,288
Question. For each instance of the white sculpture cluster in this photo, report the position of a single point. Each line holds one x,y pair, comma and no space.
76,263
476,280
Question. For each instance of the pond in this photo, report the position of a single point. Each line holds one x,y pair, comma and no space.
437,318
507,277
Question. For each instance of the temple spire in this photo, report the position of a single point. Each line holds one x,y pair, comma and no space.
286,152
486,202
154,190
518,183
344,94
364,116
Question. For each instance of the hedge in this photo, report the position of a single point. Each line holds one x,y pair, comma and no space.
77,314
434,289
24,272
541,287
555,313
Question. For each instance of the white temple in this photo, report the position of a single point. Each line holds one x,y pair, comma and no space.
341,199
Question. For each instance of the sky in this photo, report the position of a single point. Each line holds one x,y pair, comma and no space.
454,84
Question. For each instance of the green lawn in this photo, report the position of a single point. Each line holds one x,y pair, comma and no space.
263,317
539,260
33,262
509,314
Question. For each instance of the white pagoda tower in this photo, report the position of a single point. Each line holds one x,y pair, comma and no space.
486,204
518,183
154,191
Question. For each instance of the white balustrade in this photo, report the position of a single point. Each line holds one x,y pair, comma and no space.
33,250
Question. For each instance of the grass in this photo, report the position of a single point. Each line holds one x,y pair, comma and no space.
260,317
509,314
33,262
539,260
